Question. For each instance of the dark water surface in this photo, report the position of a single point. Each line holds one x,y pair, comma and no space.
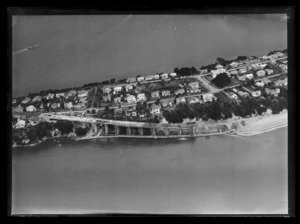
219,174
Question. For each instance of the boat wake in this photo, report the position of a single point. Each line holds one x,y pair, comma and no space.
20,51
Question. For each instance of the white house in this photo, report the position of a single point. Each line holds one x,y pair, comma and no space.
243,70
233,64
106,90
173,74
208,97
49,96
219,67
83,93
128,87
262,66
131,99
249,76
203,71
164,76
281,82
179,91
180,100
217,72
37,98
30,108
117,89
155,94
260,73
241,77
141,96
165,93
269,71
60,95
117,99
140,79
232,95
194,100
71,93
131,80
194,84
155,109
26,100
156,76
253,92
149,77
259,83
20,123
243,94
18,109
106,98
234,72
68,105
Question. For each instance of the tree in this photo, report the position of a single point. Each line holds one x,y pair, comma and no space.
221,80
215,110
81,131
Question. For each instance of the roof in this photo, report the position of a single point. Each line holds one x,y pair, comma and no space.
154,107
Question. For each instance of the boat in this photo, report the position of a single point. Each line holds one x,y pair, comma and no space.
33,47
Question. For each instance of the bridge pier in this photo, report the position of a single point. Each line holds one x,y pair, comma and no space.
141,131
117,130
106,129
167,132
179,131
153,131
128,130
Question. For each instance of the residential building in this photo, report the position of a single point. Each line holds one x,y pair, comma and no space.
179,91
141,97
155,109
277,90
249,76
42,106
71,93
242,70
232,95
284,67
234,90
253,92
203,71
117,99
26,100
195,90
208,97
156,76
131,99
194,99
83,93
149,77
233,64
34,120
217,72
265,80
20,123
118,110
269,71
164,76
49,96
14,101
58,95
180,100
83,100
106,98
140,79
260,73
155,94
173,74
259,83
243,94
106,89
165,93
55,105
117,89
131,80
37,98
262,66
194,84
271,92
68,105
18,109
255,66
281,82
30,108
241,77
167,103
79,106
234,72
219,67
128,87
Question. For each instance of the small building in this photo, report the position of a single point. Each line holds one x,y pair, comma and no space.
26,100
30,108
83,100
155,94
106,98
20,123
83,93
234,72
179,91
128,87
167,103
18,109
79,106
106,90
49,96
249,76
58,95
164,76
260,73
173,74
232,95
156,76
271,92
180,100
194,84
149,77
281,82
117,99
217,72
242,70
233,64
55,105
14,101
71,93
262,66
141,97
208,97
165,93
34,120
203,71
260,83
117,89
219,67
194,90
140,79
118,110
253,92
37,98
243,94
269,71
131,99
68,105
131,79
194,99
234,90
155,109
241,77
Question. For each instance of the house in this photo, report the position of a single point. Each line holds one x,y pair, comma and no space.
68,105
262,66
83,93
243,94
259,83
203,71
241,77
219,67
165,93
131,99
164,76
106,98
26,100
265,57
83,100
208,97
131,80
34,120
30,108
255,66
117,89
155,94
249,76
281,82
180,100
233,64
71,93
117,99
79,106
106,90
49,96
37,98
277,90
284,61
253,92
232,95
149,77
269,71
284,67
60,95
173,74
242,70
166,103
234,90
179,91
260,73
194,100
20,123
155,109
18,109
55,105
234,72
118,110
140,79
271,92
194,84
128,87
14,101
156,76
195,90
141,97
217,72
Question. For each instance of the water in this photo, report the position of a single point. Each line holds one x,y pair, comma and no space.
75,50
219,174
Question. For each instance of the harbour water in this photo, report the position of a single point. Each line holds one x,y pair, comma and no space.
205,175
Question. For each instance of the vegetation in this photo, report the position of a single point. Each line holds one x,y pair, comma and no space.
221,80
186,71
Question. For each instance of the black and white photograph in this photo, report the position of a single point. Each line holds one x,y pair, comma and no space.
149,113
